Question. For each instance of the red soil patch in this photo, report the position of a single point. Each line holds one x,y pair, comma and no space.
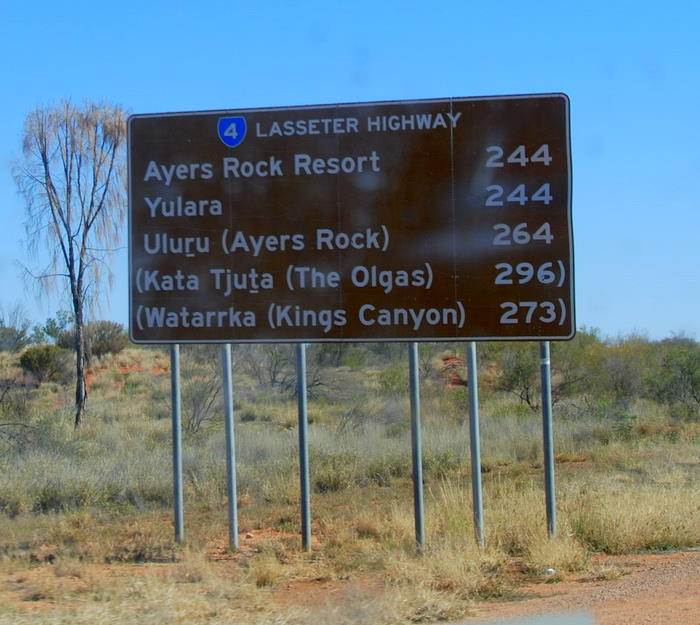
251,542
454,370
656,589
156,369
92,374
38,588
329,592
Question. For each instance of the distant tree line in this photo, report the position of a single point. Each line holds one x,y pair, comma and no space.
45,351
612,371
615,371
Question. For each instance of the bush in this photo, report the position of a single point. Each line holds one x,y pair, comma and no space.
47,363
519,373
202,399
678,379
106,337
101,337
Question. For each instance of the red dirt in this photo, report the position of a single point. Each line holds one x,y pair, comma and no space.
652,589
658,589
648,589
329,592
157,369
251,542
92,374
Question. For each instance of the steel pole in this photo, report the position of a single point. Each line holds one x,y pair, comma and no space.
548,438
304,481
474,443
179,520
416,447
230,447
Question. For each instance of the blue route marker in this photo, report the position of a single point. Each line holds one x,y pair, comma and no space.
232,130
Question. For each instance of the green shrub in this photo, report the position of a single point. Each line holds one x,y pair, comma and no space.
47,363
677,382
101,337
394,380
106,337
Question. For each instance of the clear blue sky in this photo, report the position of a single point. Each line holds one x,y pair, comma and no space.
631,69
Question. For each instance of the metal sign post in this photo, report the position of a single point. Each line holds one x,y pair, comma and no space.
548,438
230,447
179,520
416,447
474,443
304,481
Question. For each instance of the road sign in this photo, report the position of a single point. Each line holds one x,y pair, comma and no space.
421,220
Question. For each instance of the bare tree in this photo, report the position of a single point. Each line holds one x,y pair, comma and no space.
14,329
202,399
72,180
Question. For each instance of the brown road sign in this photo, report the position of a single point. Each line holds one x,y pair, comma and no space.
421,220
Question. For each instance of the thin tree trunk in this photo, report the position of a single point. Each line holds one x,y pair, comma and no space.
80,386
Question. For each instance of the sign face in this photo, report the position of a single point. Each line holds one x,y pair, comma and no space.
422,220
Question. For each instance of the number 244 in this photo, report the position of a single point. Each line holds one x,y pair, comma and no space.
518,156
518,195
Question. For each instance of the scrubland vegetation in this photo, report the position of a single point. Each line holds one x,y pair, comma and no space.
85,520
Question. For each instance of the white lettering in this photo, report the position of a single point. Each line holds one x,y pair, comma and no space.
247,169
163,243
370,315
386,279
270,243
227,281
302,127
414,121
330,240
183,208
304,164
298,317
182,171
178,281
161,317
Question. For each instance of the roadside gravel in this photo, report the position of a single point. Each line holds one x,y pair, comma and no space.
658,589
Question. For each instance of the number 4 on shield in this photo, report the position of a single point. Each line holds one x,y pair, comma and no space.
232,130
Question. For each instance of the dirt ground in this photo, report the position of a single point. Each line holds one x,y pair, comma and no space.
661,589
649,589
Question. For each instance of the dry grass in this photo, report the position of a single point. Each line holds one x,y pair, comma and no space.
352,541
623,519
86,532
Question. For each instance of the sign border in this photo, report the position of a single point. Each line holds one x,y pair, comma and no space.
344,105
